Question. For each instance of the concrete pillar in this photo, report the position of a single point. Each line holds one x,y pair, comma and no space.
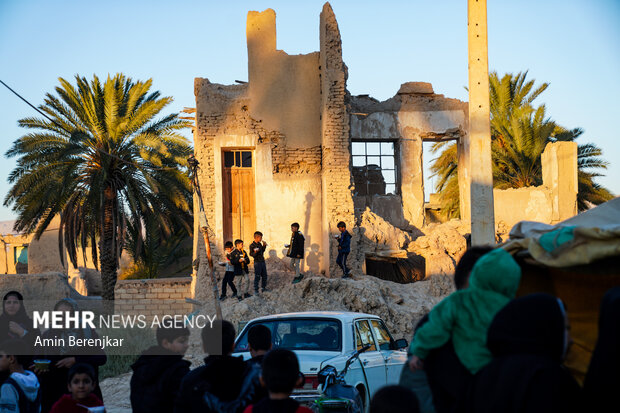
464,177
412,185
559,169
482,211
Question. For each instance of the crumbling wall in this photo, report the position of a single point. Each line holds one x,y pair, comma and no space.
555,200
560,175
296,160
523,204
337,199
284,89
287,179
416,114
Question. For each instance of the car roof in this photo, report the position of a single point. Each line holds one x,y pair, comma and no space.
341,315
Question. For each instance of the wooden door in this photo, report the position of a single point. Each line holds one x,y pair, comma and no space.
238,195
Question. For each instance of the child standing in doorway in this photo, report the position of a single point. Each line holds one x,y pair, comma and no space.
296,251
257,250
239,258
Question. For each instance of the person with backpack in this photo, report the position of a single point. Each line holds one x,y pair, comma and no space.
21,391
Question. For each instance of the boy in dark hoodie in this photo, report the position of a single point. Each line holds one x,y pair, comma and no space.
280,375
221,375
296,251
81,384
344,248
239,258
257,251
158,372
20,392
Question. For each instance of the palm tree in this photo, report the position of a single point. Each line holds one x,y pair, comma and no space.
99,159
519,135
158,250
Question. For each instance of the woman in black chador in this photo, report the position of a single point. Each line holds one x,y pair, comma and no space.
62,357
528,339
14,322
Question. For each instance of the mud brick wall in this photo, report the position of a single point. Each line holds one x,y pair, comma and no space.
154,296
296,160
338,199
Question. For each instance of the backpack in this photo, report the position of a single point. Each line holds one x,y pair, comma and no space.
25,405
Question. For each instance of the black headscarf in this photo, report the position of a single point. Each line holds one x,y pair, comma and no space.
20,318
533,324
603,378
64,333
527,340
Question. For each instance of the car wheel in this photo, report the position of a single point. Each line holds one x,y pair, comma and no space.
362,391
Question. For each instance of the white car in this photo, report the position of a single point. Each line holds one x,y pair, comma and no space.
322,338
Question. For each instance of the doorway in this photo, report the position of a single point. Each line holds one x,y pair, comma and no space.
238,195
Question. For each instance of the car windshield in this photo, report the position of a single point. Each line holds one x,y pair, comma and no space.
299,334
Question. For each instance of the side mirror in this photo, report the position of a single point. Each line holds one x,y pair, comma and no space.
399,344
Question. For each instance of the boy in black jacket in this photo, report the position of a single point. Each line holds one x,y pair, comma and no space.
158,372
344,248
280,374
239,258
221,375
229,274
257,250
296,251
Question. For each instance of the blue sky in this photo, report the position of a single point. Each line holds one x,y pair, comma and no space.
573,45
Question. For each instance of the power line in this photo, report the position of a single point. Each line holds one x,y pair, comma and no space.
32,106
71,133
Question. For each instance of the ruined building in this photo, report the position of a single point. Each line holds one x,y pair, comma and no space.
292,145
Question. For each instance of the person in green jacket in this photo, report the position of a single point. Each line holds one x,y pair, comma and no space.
465,315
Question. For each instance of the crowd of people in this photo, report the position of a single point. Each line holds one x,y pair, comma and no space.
479,350
55,378
483,350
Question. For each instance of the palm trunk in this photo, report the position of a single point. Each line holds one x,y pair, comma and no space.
106,250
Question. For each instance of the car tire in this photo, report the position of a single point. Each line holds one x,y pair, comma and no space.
362,391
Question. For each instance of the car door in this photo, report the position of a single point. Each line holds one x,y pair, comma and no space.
394,359
371,360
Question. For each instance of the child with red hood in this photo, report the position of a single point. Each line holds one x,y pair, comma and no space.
81,383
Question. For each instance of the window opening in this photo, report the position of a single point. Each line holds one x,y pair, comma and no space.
374,167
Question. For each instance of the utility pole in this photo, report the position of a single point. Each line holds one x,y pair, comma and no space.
482,208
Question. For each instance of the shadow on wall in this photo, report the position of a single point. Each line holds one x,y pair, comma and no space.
313,259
